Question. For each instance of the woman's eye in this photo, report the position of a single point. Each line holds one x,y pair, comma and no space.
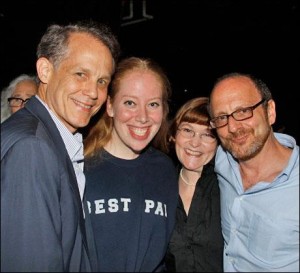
154,104
129,103
186,130
222,117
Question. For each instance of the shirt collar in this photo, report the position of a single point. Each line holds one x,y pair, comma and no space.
73,142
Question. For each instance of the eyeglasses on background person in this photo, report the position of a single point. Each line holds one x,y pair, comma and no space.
17,102
189,133
239,115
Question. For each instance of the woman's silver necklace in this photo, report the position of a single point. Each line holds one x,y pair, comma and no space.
186,182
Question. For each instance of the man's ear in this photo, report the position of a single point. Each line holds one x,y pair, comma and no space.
109,107
271,111
43,68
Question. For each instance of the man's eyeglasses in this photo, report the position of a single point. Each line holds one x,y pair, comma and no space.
189,133
240,114
16,102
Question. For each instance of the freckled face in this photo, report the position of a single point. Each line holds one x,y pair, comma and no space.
77,88
137,111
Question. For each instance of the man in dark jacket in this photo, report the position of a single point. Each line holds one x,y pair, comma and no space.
42,182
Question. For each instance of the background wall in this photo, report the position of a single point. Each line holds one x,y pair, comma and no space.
195,41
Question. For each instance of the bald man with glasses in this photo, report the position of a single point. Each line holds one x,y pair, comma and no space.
258,174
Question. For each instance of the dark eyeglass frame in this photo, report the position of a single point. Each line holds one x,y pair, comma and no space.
248,111
19,100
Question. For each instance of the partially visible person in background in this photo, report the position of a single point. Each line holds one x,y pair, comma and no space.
17,93
131,187
197,243
42,179
258,173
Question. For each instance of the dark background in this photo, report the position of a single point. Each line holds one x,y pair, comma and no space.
195,41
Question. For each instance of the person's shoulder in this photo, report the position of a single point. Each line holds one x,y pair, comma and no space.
158,158
154,152
21,127
221,154
21,123
100,157
286,140
22,139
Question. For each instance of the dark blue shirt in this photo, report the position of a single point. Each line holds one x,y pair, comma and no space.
132,205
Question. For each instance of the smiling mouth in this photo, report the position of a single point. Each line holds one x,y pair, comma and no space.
83,105
193,153
239,139
139,131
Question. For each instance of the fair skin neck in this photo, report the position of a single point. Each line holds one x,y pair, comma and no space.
252,142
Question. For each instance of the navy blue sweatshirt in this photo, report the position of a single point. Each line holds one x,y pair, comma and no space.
132,204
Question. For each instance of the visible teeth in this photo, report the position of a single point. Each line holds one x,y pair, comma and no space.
139,132
83,105
193,152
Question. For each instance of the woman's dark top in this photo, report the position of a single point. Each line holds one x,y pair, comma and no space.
197,243
132,204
